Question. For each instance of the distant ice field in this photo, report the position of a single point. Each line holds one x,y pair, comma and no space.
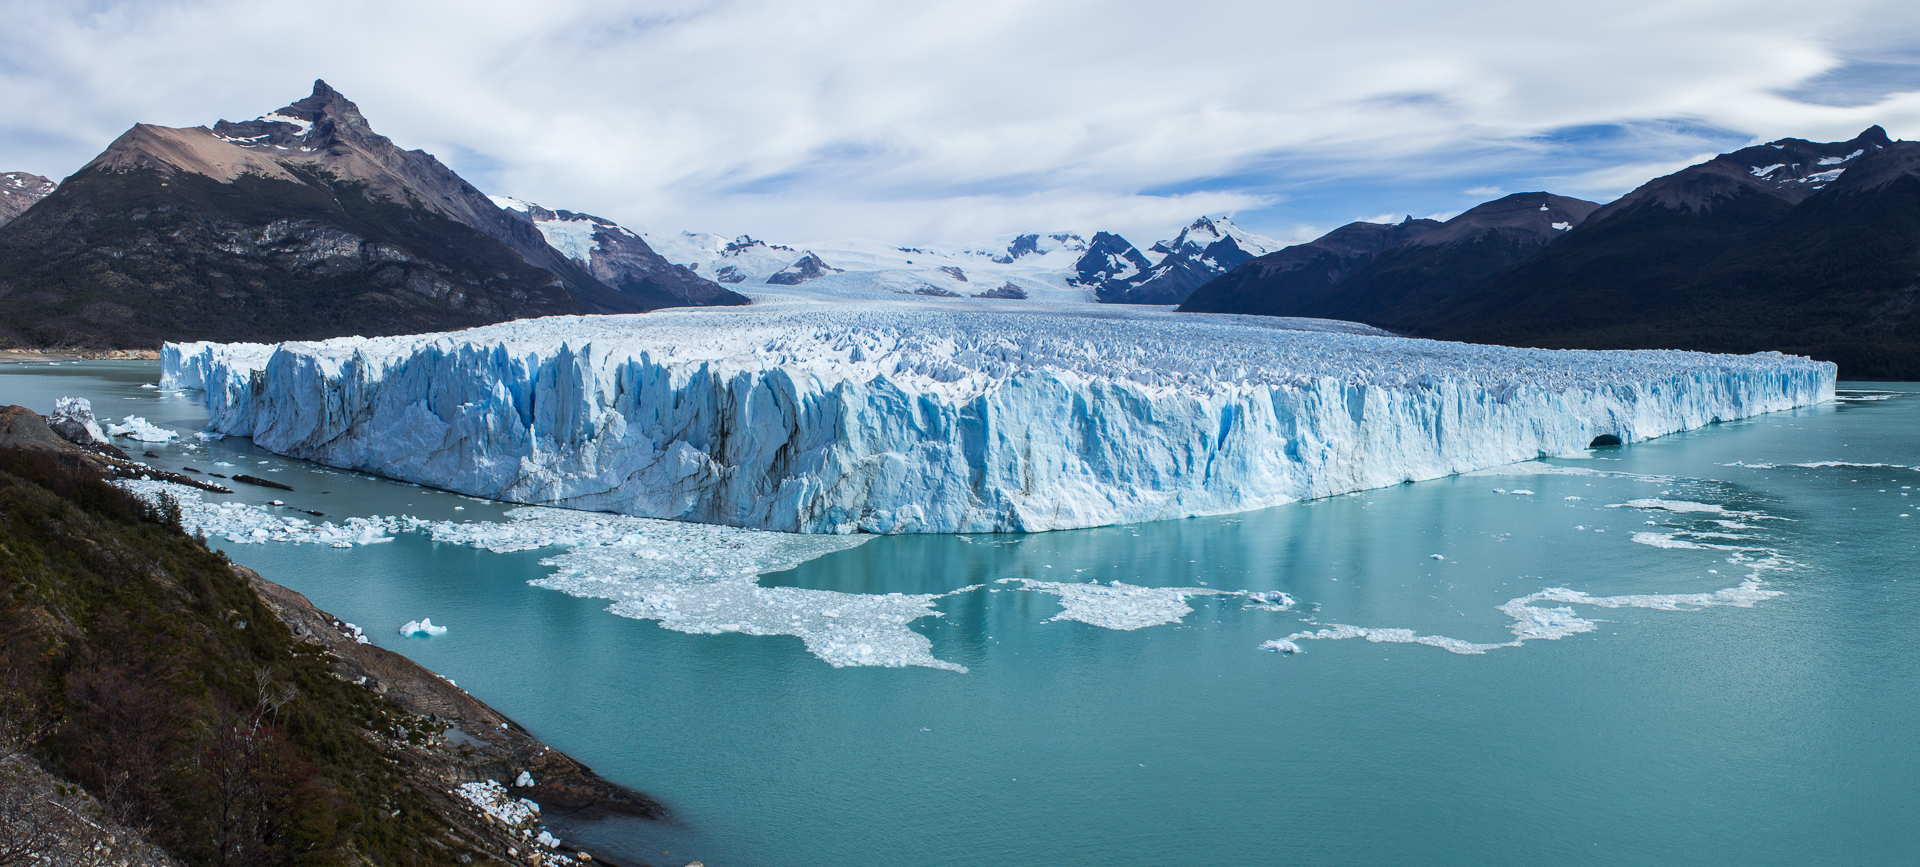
807,416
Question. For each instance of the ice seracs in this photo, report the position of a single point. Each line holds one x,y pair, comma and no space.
905,417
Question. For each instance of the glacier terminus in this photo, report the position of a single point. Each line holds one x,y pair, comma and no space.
916,417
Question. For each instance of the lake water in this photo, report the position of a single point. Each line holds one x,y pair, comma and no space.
1738,728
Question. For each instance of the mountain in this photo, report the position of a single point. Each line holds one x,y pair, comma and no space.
1300,280
18,192
1035,265
740,260
807,268
300,224
1118,273
618,257
1796,246
1422,264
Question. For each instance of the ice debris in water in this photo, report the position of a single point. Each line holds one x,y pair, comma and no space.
422,628
1532,621
1280,645
1270,600
869,417
140,430
696,578
703,579
244,523
1117,605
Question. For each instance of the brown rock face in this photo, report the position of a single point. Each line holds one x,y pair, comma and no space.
18,192
301,224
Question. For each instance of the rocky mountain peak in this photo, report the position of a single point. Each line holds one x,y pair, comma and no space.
1536,217
18,192
321,121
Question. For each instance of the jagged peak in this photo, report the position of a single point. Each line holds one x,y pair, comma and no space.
325,103
1875,135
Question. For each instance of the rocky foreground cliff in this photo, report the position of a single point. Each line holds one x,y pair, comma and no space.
160,705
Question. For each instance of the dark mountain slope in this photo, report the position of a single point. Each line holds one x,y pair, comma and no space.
1706,259
130,258
1430,268
1301,279
301,224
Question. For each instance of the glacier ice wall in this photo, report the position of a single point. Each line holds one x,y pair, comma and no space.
909,418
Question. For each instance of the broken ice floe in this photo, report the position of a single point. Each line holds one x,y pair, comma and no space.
422,628
245,523
1117,605
1532,621
1540,468
1820,465
704,579
139,429
700,578
695,578
1271,600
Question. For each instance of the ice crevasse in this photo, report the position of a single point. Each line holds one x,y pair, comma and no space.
903,418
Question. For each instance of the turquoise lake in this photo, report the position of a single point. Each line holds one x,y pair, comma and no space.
1776,729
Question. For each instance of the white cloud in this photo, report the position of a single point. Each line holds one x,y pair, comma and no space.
952,119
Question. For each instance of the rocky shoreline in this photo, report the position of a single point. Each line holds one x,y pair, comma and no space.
482,777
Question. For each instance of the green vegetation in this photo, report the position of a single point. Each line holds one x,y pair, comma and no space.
149,672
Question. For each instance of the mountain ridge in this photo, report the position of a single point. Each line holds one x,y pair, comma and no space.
1796,246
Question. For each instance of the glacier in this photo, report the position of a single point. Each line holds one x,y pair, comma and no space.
894,417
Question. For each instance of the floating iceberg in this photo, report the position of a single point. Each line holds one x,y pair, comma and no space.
890,418
422,628
73,418
141,430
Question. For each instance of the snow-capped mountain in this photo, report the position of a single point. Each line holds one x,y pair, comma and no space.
1118,273
740,260
302,223
616,256
1058,266
1032,265
18,192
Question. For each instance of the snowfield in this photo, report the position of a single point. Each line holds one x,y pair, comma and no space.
894,417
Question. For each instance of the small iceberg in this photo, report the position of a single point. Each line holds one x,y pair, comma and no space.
1280,645
1272,600
423,627
73,418
141,430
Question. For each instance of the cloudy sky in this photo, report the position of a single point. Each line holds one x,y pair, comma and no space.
963,119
